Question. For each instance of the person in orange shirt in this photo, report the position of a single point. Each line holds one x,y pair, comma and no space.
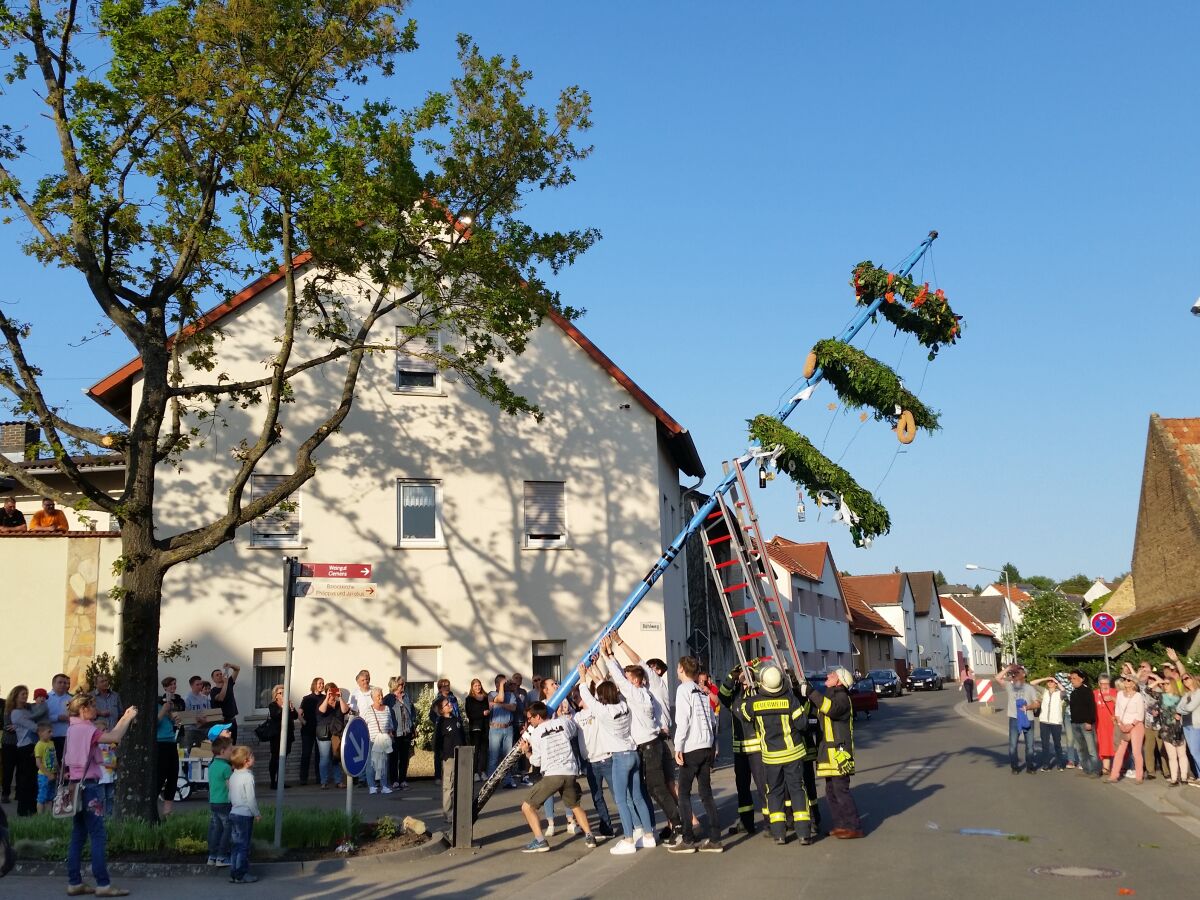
48,518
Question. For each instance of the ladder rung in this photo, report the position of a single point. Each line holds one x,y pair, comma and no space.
714,515
765,658
776,622
720,540
725,564
742,612
736,587
751,636
769,600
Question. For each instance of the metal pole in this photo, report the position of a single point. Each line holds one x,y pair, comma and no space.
284,718
1107,670
349,795
1008,588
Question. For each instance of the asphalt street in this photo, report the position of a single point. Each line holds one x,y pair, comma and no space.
944,816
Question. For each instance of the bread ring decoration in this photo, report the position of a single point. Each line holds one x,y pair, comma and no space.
906,428
810,364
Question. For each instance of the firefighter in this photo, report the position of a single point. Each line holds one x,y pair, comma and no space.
747,761
835,761
808,764
779,718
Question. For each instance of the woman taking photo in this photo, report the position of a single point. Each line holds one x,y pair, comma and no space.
477,719
275,711
615,737
1130,722
331,722
81,758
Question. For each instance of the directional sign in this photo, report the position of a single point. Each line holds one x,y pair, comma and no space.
356,747
1103,624
333,590
335,570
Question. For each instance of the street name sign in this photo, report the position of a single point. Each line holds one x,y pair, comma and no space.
335,570
333,590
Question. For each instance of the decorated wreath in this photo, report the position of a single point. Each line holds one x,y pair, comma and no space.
861,380
907,305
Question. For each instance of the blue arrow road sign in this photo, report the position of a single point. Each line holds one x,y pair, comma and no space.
1103,624
356,747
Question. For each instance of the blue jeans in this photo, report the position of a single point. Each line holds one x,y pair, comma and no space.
597,773
241,828
1085,745
1052,757
1192,737
1015,734
88,823
219,831
499,743
631,806
325,762
110,795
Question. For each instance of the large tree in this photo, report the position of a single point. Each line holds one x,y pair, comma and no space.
1049,622
197,142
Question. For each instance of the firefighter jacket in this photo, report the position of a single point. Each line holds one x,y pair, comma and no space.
779,720
835,721
745,737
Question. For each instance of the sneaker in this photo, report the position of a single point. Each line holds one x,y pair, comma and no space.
76,890
222,864
646,842
110,891
600,837
525,781
395,785
572,826
212,861
682,847
404,785
623,847
341,785
674,839
245,879
550,828
708,845
373,790
664,836
605,832
589,841
386,790
478,777
536,846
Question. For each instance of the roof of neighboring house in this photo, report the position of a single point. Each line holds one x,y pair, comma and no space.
878,590
924,590
114,391
985,609
862,617
85,462
1020,594
1140,625
954,590
964,615
805,560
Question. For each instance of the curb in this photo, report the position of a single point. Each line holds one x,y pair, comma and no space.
436,844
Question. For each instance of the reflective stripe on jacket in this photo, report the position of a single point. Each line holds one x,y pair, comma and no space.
780,722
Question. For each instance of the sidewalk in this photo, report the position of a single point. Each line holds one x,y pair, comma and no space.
1180,804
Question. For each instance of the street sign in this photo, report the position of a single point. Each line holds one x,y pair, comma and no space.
1103,624
356,747
332,590
335,570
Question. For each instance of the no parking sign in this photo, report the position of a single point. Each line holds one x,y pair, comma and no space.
1104,624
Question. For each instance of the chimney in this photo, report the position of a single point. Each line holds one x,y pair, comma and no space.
17,440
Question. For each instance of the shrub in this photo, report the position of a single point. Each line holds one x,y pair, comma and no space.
387,828
424,727
190,846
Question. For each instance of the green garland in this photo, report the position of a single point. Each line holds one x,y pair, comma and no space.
815,472
928,315
861,380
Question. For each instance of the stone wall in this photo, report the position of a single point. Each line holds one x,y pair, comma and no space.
1166,554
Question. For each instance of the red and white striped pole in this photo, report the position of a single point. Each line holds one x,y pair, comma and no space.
984,695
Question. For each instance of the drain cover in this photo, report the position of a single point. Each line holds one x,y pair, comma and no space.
1075,872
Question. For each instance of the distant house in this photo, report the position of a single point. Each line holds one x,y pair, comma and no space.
993,612
1166,550
974,644
956,590
876,643
932,651
892,599
808,577
1099,588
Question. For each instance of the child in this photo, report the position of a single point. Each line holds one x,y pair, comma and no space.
243,813
447,736
218,802
47,767
108,775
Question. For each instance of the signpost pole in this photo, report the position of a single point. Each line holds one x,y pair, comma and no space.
1107,669
289,621
349,799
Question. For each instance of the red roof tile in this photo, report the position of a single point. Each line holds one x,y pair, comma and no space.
877,590
805,560
1018,596
952,606
862,617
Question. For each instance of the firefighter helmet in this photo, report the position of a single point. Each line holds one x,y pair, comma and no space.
770,679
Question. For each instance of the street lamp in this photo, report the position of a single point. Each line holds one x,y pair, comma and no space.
1008,597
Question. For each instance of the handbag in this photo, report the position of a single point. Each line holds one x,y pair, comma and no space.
68,795
263,730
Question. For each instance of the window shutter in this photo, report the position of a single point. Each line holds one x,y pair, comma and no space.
413,371
421,664
279,523
545,510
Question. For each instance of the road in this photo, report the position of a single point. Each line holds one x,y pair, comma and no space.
925,774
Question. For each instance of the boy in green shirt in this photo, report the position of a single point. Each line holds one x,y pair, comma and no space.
218,802
47,767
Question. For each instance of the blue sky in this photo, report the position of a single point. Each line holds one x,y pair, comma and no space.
748,155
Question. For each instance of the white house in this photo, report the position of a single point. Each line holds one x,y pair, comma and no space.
1099,588
974,643
932,649
498,544
808,577
892,598
1015,597
993,612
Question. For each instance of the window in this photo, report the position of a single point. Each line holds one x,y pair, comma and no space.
547,659
419,512
545,514
420,668
281,526
416,373
268,672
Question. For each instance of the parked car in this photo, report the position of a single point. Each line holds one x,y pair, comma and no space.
924,680
887,683
863,698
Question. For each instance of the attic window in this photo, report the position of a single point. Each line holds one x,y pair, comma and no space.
416,373
545,514
281,526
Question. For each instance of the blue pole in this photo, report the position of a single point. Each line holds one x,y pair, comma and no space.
571,678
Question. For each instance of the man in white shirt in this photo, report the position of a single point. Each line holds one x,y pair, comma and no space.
360,698
550,745
695,750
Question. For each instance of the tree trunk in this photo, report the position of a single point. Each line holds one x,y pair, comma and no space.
140,615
